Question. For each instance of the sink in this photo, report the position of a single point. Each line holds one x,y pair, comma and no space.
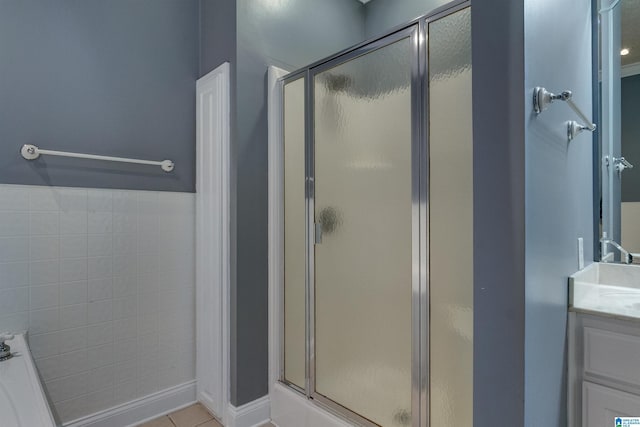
611,289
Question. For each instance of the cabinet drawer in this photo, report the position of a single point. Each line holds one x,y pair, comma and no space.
600,405
612,355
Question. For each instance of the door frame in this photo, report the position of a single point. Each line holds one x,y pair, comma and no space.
276,219
290,407
418,333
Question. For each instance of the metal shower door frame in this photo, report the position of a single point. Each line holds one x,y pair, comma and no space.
424,320
412,33
417,30
290,78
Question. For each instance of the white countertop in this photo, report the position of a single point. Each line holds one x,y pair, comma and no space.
606,289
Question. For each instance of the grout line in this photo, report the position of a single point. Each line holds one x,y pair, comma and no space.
28,260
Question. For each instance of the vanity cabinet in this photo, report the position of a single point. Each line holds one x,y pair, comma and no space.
604,369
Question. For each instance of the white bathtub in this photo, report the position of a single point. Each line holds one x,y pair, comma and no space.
22,399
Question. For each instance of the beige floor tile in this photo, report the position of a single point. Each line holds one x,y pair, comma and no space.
210,423
190,416
158,422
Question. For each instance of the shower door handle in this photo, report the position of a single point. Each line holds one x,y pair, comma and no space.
317,233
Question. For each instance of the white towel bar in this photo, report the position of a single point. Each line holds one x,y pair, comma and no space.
31,152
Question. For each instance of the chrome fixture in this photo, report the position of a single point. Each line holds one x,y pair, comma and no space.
318,233
5,350
574,128
542,98
625,256
32,152
619,164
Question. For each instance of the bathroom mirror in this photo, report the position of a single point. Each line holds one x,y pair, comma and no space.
617,147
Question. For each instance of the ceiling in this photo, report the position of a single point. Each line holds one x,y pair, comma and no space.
631,31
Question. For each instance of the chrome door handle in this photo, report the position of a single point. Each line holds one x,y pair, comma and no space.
318,233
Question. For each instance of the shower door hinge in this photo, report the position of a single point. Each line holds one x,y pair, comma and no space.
318,233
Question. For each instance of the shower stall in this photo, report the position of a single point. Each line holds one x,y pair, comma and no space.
375,304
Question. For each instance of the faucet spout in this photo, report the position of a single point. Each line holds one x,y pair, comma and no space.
625,256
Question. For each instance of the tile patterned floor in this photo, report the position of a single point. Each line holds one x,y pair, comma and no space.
195,415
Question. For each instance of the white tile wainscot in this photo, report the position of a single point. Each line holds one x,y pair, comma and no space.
104,281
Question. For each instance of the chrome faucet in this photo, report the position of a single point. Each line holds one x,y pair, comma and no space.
625,256
5,350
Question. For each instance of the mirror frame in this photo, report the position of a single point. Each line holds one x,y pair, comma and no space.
596,148
606,190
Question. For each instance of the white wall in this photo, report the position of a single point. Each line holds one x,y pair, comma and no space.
104,282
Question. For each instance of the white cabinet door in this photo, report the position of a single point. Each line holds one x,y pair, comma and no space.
601,405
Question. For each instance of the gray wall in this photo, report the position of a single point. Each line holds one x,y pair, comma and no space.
218,44
559,196
217,41
498,193
382,15
631,137
110,77
532,200
289,35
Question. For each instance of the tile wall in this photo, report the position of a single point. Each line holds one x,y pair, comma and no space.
104,282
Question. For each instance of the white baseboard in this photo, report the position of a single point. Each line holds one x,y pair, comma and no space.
141,410
252,414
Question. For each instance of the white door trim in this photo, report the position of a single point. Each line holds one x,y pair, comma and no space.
212,239
276,219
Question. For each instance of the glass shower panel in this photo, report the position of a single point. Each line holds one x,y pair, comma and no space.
294,234
451,221
363,204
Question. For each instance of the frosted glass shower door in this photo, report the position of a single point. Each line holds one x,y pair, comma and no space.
363,225
294,360
451,220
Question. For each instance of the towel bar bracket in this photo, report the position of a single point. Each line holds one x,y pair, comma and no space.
542,98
